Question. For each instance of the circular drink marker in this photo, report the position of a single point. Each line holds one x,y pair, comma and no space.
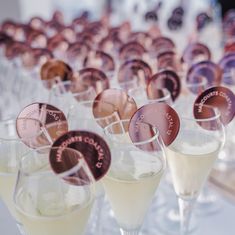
89,146
110,44
77,50
37,22
218,97
95,78
100,60
43,123
165,79
37,39
162,44
229,47
55,70
206,69
135,69
58,44
141,37
122,103
156,115
227,64
167,60
15,49
131,50
196,52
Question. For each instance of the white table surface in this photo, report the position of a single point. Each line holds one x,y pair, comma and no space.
222,223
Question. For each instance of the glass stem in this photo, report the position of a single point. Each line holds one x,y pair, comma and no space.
185,208
135,232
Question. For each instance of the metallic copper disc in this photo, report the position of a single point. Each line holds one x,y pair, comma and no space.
58,43
131,50
135,69
227,64
40,124
124,105
54,70
90,146
161,44
95,78
99,60
196,52
217,97
165,79
156,115
207,69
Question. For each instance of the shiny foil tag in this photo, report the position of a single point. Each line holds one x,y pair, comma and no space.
89,146
95,78
133,69
110,45
207,69
114,100
54,71
131,50
99,60
220,98
227,64
165,79
161,44
40,124
196,52
153,118
141,37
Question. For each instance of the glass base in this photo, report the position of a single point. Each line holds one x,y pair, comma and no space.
167,221
207,203
20,228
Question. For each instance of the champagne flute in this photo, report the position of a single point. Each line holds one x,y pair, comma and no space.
133,177
52,204
191,157
12,148
81,116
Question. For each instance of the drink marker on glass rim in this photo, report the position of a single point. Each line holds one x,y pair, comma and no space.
218,97
93,77
164,79
44,118
156,115
54,71
91,147
207,69
123,104
135,68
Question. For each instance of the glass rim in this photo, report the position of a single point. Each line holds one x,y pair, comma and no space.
50,170
17,137
156,136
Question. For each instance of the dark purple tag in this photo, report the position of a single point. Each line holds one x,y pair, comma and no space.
207,69
165,79
90,146
227,64
217,97
196,52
